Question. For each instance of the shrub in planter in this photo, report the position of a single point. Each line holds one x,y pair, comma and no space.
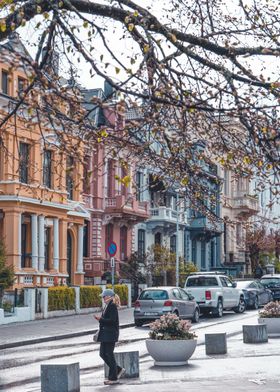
90,296
270,310
61,298
171,342
171,327
270,315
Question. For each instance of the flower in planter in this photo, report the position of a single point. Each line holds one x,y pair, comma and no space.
171,327
270,310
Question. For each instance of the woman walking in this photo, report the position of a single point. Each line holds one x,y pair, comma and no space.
109,335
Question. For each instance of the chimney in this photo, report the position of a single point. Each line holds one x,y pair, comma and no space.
109,91
52,61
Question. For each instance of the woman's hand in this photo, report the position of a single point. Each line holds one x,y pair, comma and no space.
97,317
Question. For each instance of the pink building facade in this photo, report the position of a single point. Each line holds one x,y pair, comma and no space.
112,204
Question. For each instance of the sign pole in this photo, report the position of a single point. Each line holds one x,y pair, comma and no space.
113,271
112,250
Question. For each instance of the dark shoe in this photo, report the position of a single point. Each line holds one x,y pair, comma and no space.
121,373
111,382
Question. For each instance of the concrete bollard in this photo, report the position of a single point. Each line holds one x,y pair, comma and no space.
127,360
60,377
255,333
215,343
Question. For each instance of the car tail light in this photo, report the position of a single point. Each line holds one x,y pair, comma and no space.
208,294
137,304
167,303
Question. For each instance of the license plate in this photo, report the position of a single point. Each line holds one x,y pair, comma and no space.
151,314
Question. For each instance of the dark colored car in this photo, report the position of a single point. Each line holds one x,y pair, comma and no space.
154,302
272,282
255,293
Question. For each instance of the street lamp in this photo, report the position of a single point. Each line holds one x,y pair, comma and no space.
177,234
177,239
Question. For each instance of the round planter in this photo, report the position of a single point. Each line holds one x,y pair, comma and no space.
273,325
171,352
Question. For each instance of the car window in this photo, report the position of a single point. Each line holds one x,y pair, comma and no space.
224,281
243,284
271,282
260,285
184,295
253,285
229,282
154,294
176,293
202,281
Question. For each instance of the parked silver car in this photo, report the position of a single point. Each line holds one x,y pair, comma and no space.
153,302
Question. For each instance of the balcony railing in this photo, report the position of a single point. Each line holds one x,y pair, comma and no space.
111,202
28,280
88,200
50,281
243,201
129,205
204,224
166,214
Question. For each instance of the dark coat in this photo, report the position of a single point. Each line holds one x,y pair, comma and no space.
109,324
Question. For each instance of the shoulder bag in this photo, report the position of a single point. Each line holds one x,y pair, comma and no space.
95,336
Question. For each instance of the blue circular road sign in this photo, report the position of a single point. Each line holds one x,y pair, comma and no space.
112,248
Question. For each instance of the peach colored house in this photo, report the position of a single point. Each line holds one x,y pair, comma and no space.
113,206
41,215
239,205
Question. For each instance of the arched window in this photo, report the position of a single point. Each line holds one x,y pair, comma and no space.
86,235
194,245
111,181
123,242
173,243
158,239
203,254
141,243
108,235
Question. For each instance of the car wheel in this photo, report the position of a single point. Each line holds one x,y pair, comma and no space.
195,318
256,303
218,312
138,323
176,312
241,306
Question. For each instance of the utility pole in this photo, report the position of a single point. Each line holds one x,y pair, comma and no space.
177,239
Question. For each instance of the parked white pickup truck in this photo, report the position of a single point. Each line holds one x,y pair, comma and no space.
215,292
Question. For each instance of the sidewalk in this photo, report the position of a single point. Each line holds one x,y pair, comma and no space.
245,367
19,334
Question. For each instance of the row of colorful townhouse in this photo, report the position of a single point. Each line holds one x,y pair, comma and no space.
56,220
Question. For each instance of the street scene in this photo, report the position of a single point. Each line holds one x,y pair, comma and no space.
248,367
139,195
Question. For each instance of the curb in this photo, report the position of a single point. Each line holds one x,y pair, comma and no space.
57,337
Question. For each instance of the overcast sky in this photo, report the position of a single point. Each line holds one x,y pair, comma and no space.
125,48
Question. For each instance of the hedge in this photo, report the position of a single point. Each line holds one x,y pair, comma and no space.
90,296
61,298
122,291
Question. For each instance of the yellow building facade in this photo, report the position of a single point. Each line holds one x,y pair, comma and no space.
41,214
